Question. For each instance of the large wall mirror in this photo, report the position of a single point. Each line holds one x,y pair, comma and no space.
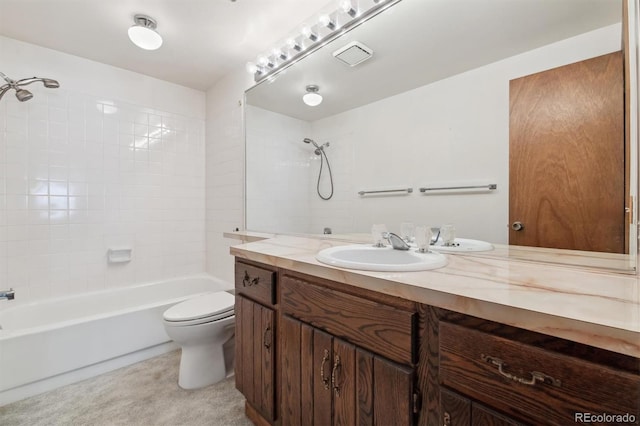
440,103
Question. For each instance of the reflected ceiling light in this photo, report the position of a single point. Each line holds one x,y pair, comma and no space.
143,34
293,44
308,33
277,53
325,21
312,97
347,7
251,68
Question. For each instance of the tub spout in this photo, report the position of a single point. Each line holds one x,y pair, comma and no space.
8,294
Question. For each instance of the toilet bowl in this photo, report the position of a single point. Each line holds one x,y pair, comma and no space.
201,326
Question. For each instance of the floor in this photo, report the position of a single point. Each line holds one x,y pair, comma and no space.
146,393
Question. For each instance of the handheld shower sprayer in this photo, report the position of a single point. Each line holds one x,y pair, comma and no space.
23,94
319,149
323,156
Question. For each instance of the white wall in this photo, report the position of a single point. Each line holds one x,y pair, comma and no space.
224,169
454,131
111,159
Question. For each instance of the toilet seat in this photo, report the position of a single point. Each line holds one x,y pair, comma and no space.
201,309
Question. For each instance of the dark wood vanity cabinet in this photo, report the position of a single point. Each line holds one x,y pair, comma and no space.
256,338
507,376
346,359
327,380
310,351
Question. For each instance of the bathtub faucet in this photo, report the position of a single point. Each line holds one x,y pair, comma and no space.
8,294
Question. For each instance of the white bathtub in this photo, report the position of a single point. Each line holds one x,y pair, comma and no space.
59,341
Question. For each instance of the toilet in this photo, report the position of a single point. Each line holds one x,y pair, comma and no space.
201,326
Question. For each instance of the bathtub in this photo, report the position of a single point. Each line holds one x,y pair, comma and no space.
51,343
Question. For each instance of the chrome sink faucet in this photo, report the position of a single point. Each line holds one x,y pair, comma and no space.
396,241
7,294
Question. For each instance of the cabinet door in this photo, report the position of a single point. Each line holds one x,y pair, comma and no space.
392,392
307,355
343,382
455,410
321,377
255,355
329,381
291,344
482,416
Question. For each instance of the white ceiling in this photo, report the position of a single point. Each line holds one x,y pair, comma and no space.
203,39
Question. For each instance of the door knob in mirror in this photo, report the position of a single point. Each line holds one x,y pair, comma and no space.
517,226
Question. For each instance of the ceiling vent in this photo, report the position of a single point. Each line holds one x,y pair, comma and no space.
353,53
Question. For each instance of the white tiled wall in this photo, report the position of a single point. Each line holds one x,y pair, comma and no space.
82,171
280,164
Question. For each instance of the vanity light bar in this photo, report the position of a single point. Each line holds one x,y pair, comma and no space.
329,26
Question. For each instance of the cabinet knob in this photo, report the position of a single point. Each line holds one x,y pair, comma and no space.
446,419
517,226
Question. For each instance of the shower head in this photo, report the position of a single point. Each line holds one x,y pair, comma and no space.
311,141
23,94
50,84
319,148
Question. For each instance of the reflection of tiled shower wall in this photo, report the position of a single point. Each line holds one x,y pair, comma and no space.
278,187
82,174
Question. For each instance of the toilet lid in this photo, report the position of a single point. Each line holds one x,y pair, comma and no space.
203,306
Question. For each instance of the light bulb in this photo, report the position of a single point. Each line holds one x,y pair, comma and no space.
293,44
308,33
251,68
347,7
325,20
263,61
277,53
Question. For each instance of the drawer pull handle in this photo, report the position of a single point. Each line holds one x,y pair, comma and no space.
325,380
336,365
267,337
447,419
536,376
247,281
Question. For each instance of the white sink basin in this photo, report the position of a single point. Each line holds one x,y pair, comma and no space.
383,259
462,245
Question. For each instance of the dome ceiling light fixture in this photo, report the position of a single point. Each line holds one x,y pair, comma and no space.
143,34
312,97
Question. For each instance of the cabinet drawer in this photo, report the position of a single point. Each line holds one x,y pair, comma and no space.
528,382
257,283
381,328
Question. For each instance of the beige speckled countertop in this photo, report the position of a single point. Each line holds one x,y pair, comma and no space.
597,308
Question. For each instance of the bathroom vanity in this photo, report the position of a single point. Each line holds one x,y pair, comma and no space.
480,341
